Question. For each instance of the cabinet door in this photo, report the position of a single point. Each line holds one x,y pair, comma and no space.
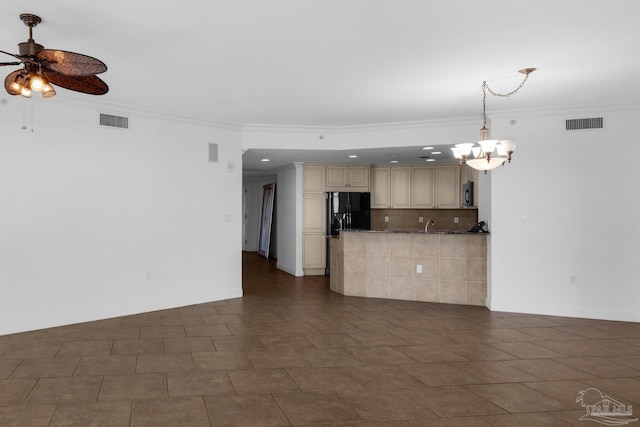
337,176
313,178
358,176
401,187
380,188
423,189
448,187
313,213
314,250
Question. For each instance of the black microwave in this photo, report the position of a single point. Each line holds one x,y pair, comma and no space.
467,194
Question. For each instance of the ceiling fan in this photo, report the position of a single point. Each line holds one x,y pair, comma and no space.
46,67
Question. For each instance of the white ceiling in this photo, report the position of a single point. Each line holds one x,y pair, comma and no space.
342,62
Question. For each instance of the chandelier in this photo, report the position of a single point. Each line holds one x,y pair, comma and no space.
489,153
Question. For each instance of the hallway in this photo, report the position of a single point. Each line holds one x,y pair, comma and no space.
292,353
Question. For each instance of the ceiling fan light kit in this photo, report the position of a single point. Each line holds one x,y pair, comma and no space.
489,153
43,68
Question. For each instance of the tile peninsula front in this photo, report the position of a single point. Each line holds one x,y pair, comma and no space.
385,264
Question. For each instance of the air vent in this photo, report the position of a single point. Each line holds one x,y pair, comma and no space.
114,121
591,123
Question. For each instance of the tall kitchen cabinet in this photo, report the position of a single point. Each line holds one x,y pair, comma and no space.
317,179
314,239
469,174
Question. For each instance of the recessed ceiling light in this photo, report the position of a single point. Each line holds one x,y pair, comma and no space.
353,156
436,152
265,160
431,160
427,148
393,161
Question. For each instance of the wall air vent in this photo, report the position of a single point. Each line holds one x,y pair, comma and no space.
114,121
591,123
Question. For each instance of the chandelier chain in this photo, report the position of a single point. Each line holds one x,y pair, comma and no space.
486,88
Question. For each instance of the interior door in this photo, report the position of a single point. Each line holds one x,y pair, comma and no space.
266,216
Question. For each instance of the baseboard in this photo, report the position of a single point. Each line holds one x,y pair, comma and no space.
17,327
579,312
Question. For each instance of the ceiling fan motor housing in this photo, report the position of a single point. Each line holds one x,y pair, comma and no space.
29,48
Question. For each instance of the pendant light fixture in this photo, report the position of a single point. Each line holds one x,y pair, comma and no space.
489,153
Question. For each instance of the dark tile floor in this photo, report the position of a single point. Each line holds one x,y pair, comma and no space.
292,353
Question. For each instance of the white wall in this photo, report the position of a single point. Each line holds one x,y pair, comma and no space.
567,207
289,219
97,222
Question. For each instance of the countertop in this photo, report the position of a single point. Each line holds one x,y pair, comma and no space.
411,231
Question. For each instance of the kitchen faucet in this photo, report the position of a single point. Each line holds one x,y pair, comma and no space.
426,227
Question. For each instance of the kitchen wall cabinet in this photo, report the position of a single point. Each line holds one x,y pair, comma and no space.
401,187
313,177
347,178
417,187
448,187
380,187
423,194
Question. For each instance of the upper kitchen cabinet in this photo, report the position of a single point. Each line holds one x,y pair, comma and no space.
401,187
347,178
313,179
448,187
391,187
380,188
423,191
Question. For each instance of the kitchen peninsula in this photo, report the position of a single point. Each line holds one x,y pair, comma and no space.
444,267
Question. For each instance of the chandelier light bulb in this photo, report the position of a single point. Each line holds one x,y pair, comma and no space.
36,83
26,92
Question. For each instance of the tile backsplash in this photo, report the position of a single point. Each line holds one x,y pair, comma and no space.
409,219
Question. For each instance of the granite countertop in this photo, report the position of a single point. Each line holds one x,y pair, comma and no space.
411,231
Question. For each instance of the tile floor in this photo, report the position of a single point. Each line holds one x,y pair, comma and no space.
291,353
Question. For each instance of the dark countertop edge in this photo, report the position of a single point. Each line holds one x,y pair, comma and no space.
414,232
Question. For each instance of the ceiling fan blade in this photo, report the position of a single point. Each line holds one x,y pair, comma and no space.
10,79
85,84
70,63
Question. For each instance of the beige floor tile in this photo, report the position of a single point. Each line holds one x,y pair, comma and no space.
549,369
188,344
7,366
106,365
495,372
129,387
382,377
178,411
199,383
453,401
46,368
32,416
112,414
254,410
221,360
265,359
323,379
380,356
13,392
85,348
524,420
138,346
37,350
62,390
431,353
238,343
315,408
328,357
516,397
260,381
164,362
439,374
386,405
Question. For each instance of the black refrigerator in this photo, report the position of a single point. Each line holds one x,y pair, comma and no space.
346,211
